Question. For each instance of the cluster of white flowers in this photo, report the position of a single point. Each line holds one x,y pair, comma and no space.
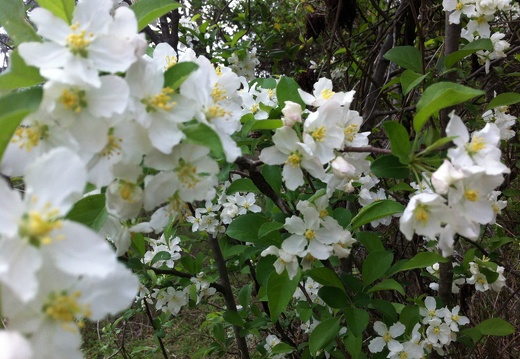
437,329
315,236
501,117
325,132
480,280
107,118
461,197
213,217
245,65
479,14
171,248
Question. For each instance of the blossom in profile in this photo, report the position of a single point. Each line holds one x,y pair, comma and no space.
423,215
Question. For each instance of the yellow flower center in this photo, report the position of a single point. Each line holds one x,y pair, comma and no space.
216,111
73,99
294,159
319,134
170,61
271,93
113,146
218,70
455,318
350,132
187,173
436,330
387,337
126,190
29,137
218,93
161,101
459,6
324,213
477,144
421,214
78,41
471,195
36,226
327,93
403,355
255,108
64,308
310,234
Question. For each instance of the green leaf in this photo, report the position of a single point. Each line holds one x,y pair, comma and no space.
410,79
437,144
242,185
269,227
147,11
273,176
399,140
204,135
471,48
342,215
334,297
245,228
375,266
61,8
423,260
370,240
237,37
323,334
496,326
389,166
280,290
376,210
357,320
282,348
160,256
407,57
13,109
12,18
244,296
354,345
438,96
504,99
19,74
409,316
90,211
178,73
325,276
388,284
233,317
287,90
266,125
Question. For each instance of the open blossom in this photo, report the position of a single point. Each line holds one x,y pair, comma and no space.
94,41
294,155
423,215
459,7
387,337
33,231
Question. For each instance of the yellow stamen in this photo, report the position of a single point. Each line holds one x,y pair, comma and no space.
73,100
161,101
350,132
421,214
327,93
477,144
319,134
218,93
471,195
294,159
113,147
29,137
78,42
310,234
187,173
65,309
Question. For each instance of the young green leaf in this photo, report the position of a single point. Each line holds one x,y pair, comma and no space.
504,99
495,326
61,8
90,211
399,140
287,90
389,166
408,57
323,334
147,11
376,210
423,260
12,19
19,74
438,96
204,135
245,228
375,266
280,290
471,48
178,73
410,79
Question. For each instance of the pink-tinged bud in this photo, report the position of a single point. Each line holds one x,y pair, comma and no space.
292,113
341,168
